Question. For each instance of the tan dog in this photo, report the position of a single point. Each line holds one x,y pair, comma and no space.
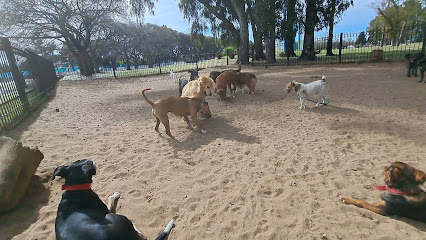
226,80
199,89
179,106
247,79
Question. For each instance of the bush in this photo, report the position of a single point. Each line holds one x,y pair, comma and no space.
282,54
229,51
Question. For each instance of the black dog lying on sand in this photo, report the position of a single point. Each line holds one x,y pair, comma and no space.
415,61
83,216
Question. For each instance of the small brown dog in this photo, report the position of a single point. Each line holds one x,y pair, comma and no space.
404,197
213,75
247,79
199,89
224,81
179,106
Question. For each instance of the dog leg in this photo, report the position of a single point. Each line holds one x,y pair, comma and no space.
379,209
157,125
112,202
195,121
188,122
141,236
302,103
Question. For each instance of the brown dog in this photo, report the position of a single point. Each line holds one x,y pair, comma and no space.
213,75
226,80
403,196
199,89
247,79
179,106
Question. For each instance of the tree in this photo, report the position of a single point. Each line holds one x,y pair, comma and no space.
311,20
267,12
223,16
257,35
76,23
333,12
361,40
394,16
288,25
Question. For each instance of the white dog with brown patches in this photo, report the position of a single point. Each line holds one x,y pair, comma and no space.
318,88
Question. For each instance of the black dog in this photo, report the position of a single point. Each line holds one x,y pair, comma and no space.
422,65
412,61
182,83
194,75
83,216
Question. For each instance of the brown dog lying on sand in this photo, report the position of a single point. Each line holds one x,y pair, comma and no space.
199,89
213,75
224,81
403,196
179,106
247,79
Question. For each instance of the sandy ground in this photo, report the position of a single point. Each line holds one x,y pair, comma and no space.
264,169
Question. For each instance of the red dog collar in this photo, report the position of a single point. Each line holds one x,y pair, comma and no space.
76,187
392,190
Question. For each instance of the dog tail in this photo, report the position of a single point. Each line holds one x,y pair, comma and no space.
323,78
166,231
146,99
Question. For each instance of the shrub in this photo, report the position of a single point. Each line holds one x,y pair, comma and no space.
229,51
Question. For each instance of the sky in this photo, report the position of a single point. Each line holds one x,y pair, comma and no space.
355,19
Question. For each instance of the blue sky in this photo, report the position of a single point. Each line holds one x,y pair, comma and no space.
355,19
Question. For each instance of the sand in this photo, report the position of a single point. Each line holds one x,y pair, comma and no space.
263,170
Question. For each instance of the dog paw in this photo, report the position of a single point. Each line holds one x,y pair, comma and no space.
345,200
177,139
203,131
115,195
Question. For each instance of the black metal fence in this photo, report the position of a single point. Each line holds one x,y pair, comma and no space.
365,46
369,45
26,79
117,68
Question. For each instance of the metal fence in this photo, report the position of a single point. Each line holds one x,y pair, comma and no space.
364,46
26,79
116,68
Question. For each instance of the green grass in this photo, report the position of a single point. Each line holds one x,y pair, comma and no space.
361,54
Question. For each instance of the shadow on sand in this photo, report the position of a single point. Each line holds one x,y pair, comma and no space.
19,219
218,128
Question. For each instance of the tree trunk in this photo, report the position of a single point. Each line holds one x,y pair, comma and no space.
290,34
243,44
127,59
331,29
85,63
270,47
308,52
258,48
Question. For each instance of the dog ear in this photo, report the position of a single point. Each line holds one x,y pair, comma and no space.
420,176
89,170
60,171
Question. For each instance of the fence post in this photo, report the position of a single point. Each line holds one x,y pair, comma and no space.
340,47
196,59
252,54
18,78
424,38
159,63
113,67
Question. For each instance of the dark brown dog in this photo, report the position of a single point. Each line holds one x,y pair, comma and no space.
247,79
179,106
226,80
213,75
403,196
